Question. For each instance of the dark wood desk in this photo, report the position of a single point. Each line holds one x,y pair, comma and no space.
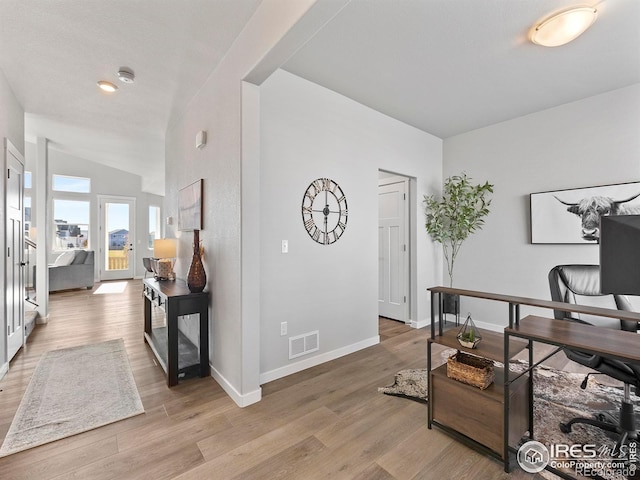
606,342
615,344
515,302
177,355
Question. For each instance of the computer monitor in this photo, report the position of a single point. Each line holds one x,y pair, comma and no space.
620,254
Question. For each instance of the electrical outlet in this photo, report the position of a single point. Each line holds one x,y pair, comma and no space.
283,329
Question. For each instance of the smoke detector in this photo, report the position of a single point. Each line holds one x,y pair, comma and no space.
126,75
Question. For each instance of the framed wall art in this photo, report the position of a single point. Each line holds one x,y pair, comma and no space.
573,216
190,207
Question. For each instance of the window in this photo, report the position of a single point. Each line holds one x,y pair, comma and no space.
71,224
154,224
28,178
27,216
64,183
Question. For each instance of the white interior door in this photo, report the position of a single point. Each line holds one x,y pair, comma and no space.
14,237
393,275
117,238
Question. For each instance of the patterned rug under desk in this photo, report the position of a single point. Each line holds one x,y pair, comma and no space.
557,398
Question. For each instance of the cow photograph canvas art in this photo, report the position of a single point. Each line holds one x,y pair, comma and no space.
573,216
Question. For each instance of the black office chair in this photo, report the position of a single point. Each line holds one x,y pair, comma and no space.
580,284
146,261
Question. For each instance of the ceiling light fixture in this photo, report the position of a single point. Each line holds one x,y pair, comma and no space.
107,86
126,75
564,26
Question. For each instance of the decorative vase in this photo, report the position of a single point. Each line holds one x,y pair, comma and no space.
197,278
469,335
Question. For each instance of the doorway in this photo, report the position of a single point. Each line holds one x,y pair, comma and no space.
393,247
14,238
117,237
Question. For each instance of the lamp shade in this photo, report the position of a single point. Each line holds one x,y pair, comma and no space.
564,26
164,248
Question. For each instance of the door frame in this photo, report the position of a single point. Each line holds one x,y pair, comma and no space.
102,246
388,179
18,254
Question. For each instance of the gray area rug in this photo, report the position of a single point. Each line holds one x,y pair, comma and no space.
73,390
557,398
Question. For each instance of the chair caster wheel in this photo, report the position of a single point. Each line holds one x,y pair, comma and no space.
564,428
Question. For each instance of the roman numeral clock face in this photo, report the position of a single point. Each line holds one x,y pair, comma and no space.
324,211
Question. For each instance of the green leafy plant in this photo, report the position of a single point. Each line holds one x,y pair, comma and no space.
469,336
459,213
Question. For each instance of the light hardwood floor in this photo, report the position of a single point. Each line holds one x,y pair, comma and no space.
325,422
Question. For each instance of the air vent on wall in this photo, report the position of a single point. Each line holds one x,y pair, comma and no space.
304,344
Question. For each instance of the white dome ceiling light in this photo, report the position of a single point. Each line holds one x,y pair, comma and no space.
107,86
564,26
126,75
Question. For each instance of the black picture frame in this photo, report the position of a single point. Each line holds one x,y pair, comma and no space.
566,216
190,207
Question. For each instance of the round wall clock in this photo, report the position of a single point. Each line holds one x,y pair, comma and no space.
324,211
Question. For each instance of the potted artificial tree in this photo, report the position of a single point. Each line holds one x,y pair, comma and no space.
452,218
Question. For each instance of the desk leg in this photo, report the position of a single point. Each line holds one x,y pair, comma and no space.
440,300
429,387
530,389
172,343
505,423
433,314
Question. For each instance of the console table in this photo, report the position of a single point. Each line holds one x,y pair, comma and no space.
177,355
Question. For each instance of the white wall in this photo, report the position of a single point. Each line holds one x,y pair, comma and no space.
11,128
104,181
309,132
586,143
274,32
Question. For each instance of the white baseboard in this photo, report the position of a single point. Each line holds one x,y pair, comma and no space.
480,324
420,323
271,375
3,370
240,399
489,326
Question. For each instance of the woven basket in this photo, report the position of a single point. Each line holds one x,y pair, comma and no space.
469,369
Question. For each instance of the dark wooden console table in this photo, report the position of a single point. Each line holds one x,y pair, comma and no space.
506,413
177,355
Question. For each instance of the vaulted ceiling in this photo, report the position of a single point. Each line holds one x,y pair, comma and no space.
451,66
444,66
54,52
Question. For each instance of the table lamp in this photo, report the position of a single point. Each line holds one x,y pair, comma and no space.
164,253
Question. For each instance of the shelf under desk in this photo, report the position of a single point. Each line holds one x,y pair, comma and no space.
491,346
